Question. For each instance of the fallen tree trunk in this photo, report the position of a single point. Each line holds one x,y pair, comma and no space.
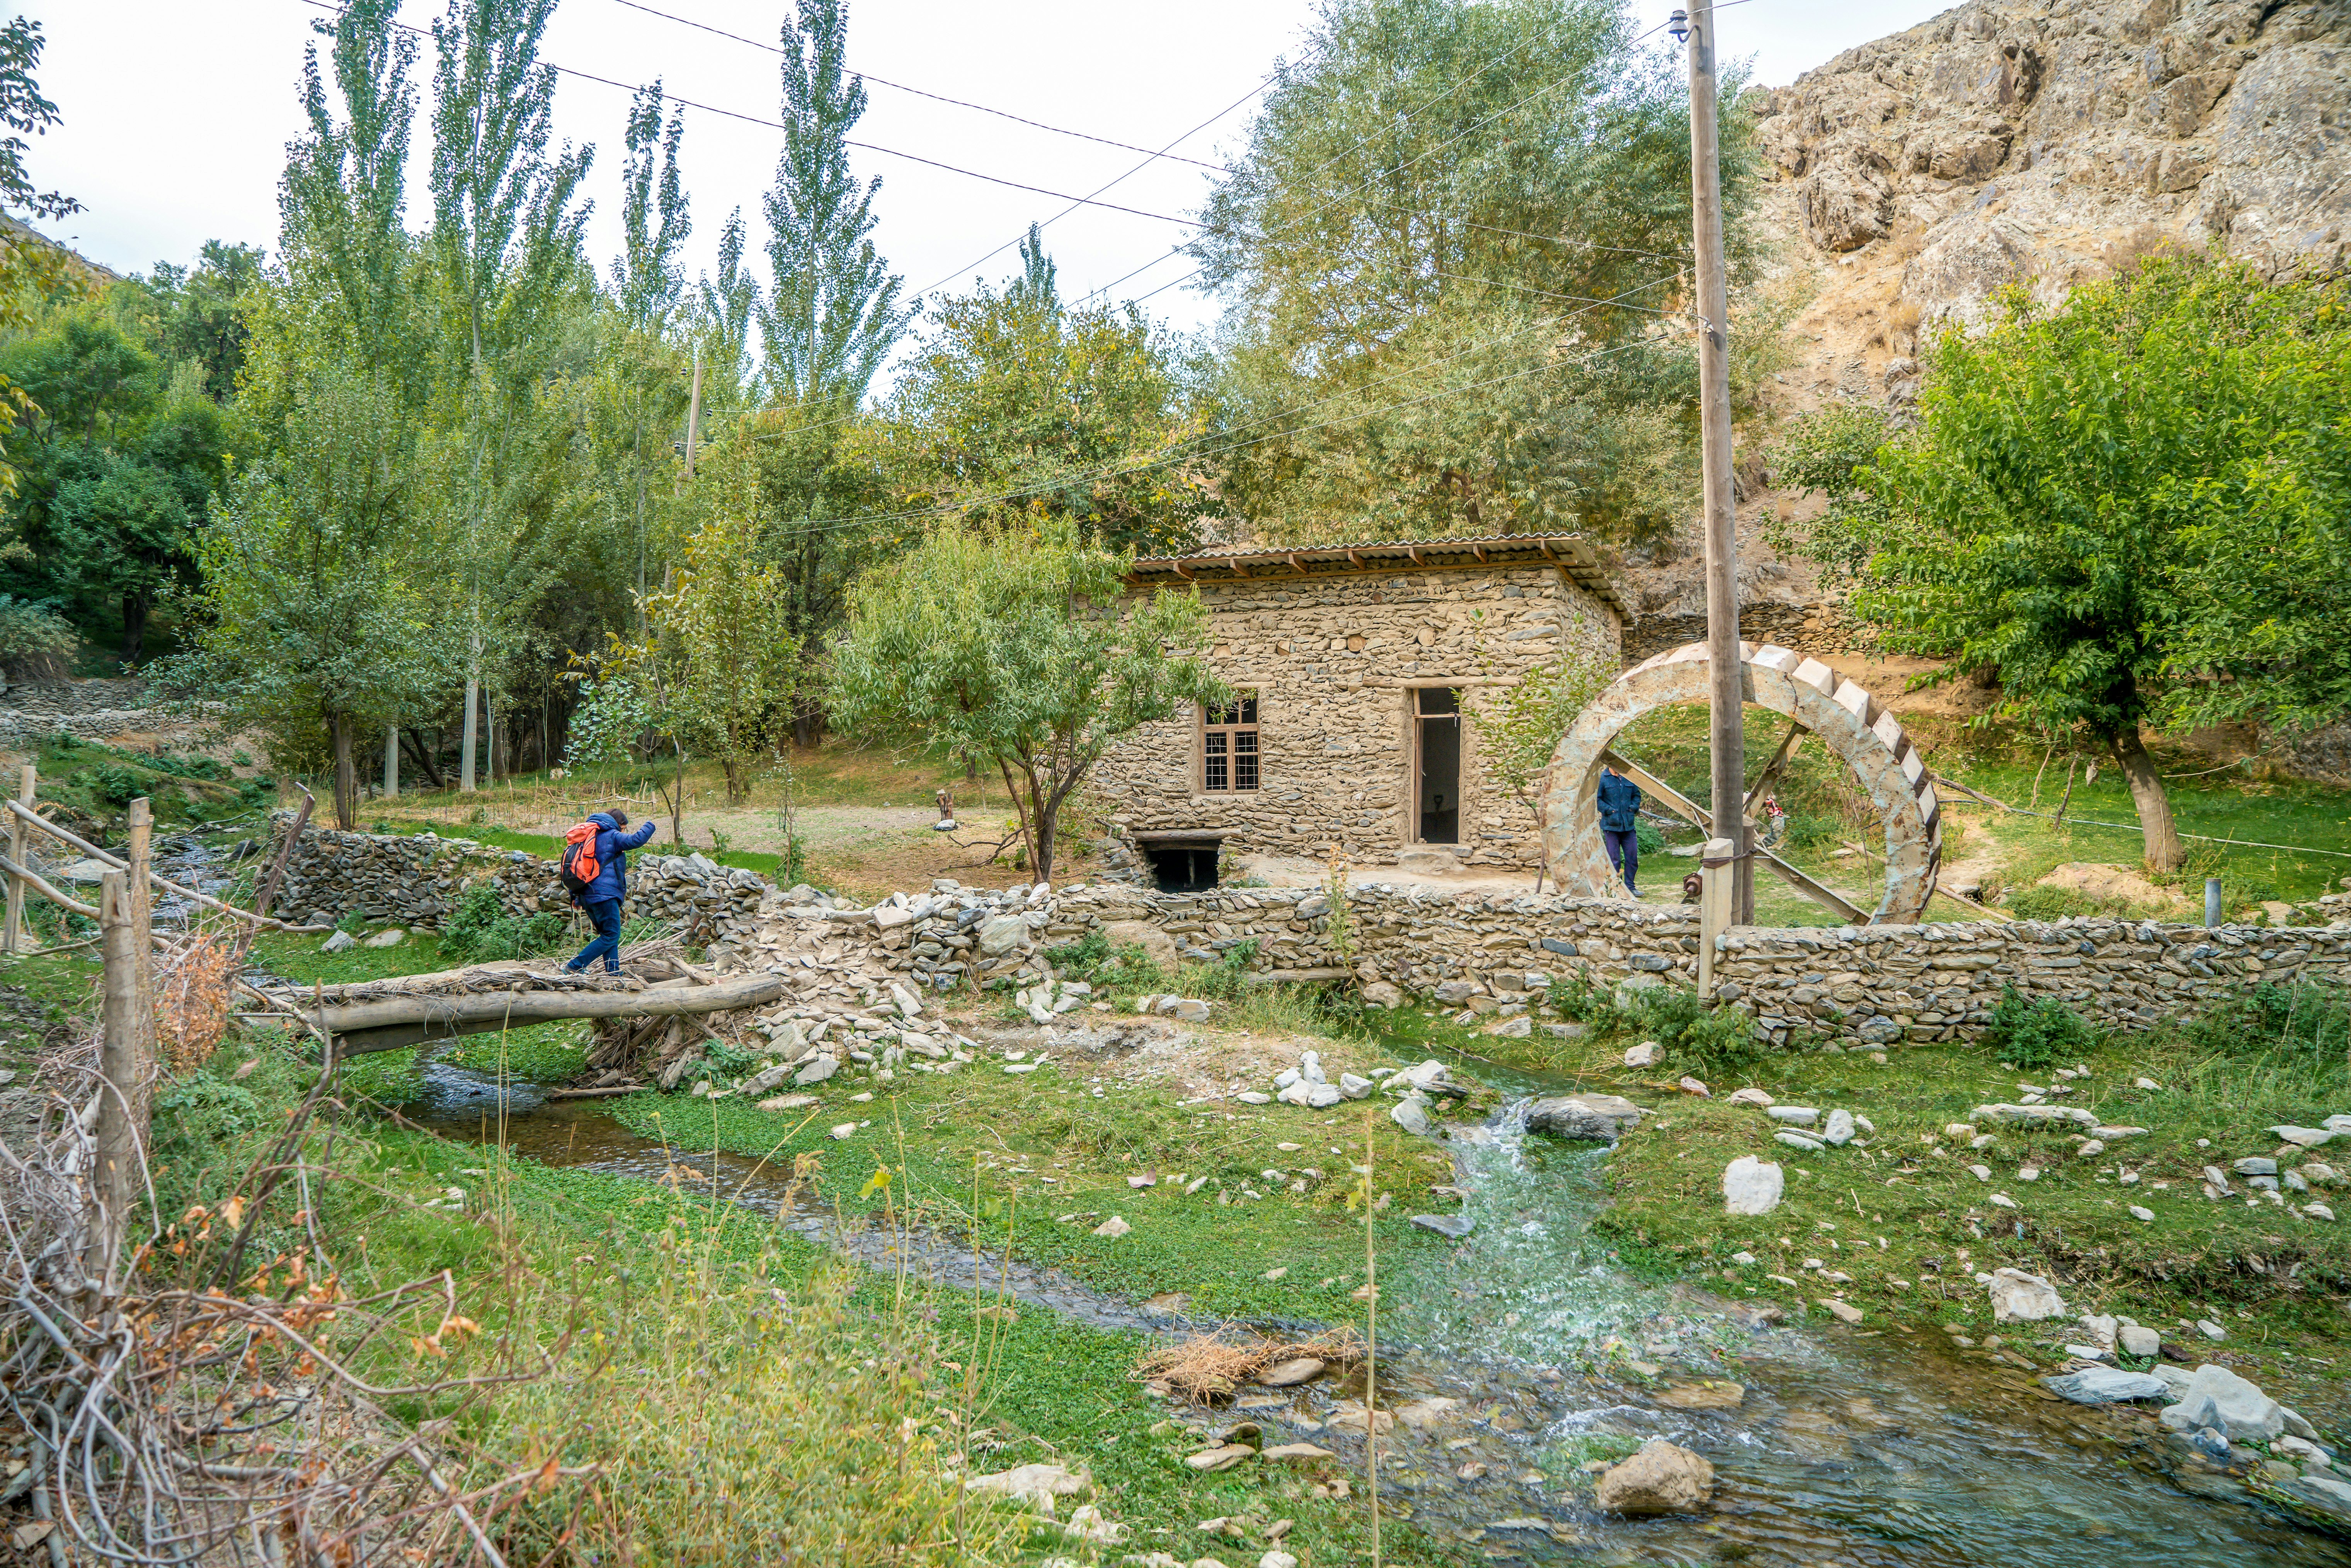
389,1023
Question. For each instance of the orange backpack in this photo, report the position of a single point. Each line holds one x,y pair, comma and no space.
580,868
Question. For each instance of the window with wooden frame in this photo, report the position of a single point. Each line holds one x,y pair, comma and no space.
1229,745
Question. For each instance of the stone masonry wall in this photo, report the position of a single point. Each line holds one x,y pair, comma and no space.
1866,985
416,880
49,699
1491,953
1334,659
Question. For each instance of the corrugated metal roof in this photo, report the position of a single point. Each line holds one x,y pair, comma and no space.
1570,552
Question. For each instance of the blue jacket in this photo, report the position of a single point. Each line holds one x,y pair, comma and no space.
1620,798
612,858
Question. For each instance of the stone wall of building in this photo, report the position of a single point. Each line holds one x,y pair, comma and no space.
1817,627
416,880
1334,659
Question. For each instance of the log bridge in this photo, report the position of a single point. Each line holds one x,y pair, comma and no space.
418,1009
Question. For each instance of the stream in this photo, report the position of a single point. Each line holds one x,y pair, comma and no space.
1846,1447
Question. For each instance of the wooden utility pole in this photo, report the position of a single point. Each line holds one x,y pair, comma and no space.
391,762
1727,739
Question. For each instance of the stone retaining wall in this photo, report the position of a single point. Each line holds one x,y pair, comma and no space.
1489,952
416,880
1869,985
52,699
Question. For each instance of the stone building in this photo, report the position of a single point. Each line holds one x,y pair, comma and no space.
1353,665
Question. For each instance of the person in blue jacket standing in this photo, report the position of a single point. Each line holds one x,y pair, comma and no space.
602,899
1620,806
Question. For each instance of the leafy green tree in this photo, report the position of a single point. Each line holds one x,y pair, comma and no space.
1446,215
116,476
718,668
646,278
31,268
832,311
726,317
1023,651
343,198
1076,413
311,633
195,320
2127,509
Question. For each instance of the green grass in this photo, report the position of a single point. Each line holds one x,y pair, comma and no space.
950,1143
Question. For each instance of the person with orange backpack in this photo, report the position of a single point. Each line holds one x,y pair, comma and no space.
595,868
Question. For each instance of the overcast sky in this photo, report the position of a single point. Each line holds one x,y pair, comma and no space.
176,116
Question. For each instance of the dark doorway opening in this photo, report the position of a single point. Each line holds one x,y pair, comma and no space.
1438,796
1181,866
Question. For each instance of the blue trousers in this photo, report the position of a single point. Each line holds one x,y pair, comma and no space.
1624,854
605,914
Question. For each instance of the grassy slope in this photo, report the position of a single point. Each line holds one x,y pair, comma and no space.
1052,1391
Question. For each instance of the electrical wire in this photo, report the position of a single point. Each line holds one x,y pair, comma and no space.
936,97
862,146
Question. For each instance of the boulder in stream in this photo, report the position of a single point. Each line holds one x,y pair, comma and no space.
2107,1385
1600,1117
2218,1398
1661,1477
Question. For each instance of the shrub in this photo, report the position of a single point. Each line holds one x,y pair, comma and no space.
1698,1037
2309,1022
116,785
480,930
36,643
1647,835
2038,902
2037,1034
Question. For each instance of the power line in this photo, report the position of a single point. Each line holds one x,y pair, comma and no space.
919,92
779,125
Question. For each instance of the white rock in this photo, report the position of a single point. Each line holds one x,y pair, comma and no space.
2100,1328
2135,1340
1411,1115
1795,1115
2144,1215
339,942
1982,1172
1114,1226
389,936
1352,1087
1645,1054
2019,1297
1749,1186
2308,1137
1749,1097
844,1130
1286,1077
1798,1141
2218,1398
1840,1128
2144,1083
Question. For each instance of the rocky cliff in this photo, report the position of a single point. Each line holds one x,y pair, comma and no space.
2047,143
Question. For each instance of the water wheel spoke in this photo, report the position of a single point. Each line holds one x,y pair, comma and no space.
1826,896
1789,744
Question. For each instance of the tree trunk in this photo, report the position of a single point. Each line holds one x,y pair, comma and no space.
423,755
346,777
134,628
2162,834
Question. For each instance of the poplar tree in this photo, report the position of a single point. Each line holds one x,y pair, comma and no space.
832,313
654,218
507,242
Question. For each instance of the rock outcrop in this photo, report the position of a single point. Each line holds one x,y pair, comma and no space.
2048,143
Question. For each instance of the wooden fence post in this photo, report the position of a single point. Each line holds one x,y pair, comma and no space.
20,841
140,856
1718,865
122,1001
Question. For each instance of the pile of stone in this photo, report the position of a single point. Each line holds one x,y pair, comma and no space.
1802,1127
2267,1182
1308,1085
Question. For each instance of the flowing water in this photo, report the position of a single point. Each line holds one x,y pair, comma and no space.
1843,1449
